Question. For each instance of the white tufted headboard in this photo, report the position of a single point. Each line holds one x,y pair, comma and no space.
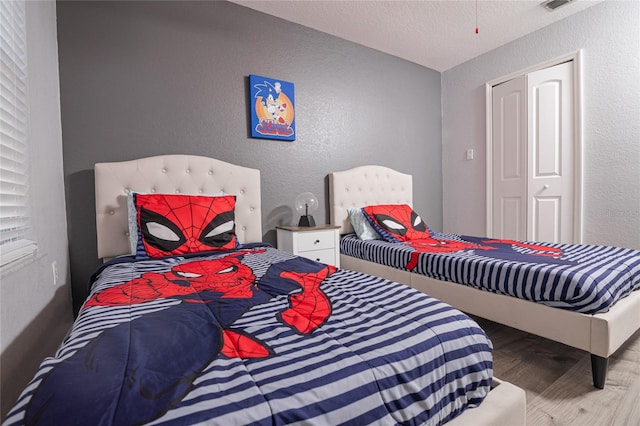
366,185
185,174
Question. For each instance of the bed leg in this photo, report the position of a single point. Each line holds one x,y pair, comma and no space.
599,370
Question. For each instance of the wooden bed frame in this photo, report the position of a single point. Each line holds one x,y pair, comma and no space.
600,334
505,403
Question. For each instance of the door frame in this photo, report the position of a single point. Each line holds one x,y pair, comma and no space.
576,57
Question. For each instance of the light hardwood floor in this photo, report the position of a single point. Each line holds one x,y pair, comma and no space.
557,379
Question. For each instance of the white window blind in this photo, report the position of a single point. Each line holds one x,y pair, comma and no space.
15,220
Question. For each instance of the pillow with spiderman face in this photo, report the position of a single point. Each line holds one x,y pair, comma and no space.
176,224
396,222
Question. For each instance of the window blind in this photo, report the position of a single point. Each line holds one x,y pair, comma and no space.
15,220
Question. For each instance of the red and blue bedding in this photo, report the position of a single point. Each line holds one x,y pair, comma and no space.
257,336
582,278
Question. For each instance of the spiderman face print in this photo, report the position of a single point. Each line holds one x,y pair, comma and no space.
398,221
227,276
178,224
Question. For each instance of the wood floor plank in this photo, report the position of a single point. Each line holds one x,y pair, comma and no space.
557,379
629,412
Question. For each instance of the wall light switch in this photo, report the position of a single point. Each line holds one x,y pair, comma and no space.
470,154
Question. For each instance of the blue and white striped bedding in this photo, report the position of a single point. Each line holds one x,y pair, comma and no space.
582,278
386,354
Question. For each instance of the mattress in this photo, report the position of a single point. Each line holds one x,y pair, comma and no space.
257,336
582,278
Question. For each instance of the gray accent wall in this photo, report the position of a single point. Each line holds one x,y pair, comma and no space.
147,78
609,37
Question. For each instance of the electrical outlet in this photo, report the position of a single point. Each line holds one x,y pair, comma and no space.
470,154
54,271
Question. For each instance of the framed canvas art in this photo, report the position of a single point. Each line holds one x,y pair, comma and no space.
272,108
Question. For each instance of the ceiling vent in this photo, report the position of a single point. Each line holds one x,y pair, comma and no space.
552,5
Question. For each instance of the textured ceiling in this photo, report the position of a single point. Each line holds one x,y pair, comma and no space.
435,34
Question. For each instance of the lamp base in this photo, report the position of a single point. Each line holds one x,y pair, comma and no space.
306,221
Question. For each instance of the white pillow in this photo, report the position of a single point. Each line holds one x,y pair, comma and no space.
133,223
361,225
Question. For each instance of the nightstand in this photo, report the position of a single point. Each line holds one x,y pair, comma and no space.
319,243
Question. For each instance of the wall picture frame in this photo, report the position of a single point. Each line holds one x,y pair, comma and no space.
272,106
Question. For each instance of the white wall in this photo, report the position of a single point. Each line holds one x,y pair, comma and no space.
609,36
35,314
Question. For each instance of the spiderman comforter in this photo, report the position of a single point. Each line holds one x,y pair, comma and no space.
257,336
582,278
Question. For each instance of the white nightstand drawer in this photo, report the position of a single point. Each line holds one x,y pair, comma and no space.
327,256
319,243
315,240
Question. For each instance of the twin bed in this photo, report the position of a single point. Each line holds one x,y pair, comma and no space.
602,315
245,333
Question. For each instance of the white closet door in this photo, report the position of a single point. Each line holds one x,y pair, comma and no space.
509,174
550,185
